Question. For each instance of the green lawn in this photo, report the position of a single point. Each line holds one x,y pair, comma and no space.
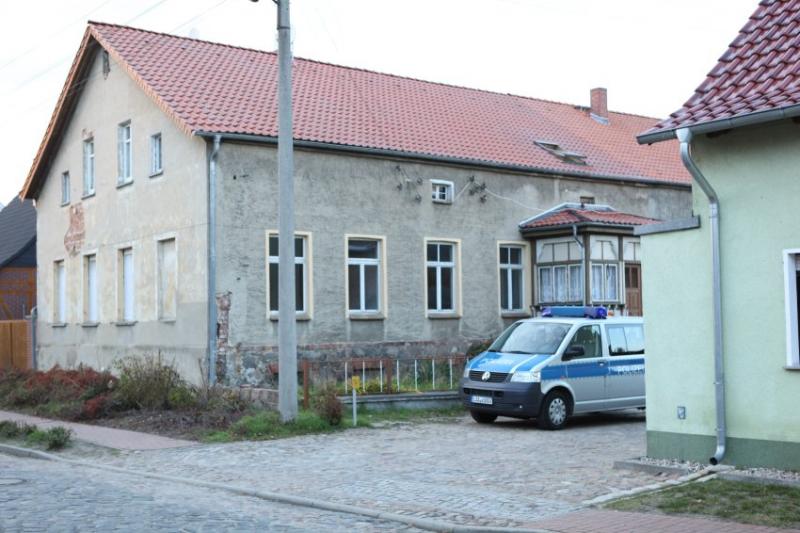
748,503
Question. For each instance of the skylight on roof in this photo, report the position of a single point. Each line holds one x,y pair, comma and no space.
573,158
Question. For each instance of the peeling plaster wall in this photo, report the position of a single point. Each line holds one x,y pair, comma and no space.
172,204
338,194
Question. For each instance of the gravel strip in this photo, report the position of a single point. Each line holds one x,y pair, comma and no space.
673,463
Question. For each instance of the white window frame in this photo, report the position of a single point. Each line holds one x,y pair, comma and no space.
381,311
126,286
790,269
605,265
525,267
65,188
455,264
306,312
60,291
91,301
158,263
88,167
436,186
567,266
156,155
124,153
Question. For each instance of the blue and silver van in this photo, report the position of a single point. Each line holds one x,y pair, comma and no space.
552,367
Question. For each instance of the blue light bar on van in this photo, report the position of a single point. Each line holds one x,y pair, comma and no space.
575,311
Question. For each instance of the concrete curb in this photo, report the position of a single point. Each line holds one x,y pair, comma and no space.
650,488
733,476
421,523
638,466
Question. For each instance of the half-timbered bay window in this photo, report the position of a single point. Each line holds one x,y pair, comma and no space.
605,269
560,272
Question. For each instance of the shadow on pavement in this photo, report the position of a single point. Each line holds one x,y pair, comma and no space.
583,421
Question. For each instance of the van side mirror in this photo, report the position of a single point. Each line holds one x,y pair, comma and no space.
573,351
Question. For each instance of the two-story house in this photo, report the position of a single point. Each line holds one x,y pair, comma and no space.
414,205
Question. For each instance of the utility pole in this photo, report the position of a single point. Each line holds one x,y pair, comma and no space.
287,333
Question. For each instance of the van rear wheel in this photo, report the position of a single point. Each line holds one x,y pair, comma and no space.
483,418
555,411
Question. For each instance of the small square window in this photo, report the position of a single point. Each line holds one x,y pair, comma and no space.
442,191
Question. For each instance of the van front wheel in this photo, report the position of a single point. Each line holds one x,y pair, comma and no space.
555,410
483,418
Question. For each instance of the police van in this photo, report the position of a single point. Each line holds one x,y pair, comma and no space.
571,360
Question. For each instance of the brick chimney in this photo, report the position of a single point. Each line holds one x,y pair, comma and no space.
599,105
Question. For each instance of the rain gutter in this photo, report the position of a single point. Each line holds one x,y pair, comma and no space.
382,152
684,136
212,262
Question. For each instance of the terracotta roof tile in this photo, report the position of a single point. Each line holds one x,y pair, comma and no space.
759,71
210,87
568,215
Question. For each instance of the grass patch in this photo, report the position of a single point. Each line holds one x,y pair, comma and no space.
368,417
54,438
747,503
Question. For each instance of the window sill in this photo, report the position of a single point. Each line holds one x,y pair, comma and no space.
121,184
167,320
365,316
59,324
90,324
87,195
437,315
157,174
125,323
792,368
300,317
515,314
64,204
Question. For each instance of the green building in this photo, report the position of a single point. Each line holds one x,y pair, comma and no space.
721,303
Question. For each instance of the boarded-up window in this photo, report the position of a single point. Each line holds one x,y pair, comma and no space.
127,284
167,280
60,293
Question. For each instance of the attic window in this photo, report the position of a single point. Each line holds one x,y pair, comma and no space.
573,158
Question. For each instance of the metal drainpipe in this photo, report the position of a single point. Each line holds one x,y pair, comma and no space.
212,262
685,138
34,318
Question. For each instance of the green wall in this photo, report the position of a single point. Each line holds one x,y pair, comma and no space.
756,173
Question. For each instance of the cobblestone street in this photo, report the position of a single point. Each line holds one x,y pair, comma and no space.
40,495
506,474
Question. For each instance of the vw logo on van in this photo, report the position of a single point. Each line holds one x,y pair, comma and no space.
486,375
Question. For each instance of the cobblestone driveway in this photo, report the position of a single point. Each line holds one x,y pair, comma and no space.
506,474
40,495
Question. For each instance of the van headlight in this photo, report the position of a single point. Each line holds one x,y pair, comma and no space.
466,370
527,376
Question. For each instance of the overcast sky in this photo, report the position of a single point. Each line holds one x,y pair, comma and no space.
650,54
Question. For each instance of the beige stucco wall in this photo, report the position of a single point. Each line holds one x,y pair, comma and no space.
137,215
755,173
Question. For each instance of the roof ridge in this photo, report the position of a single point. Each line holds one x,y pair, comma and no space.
370,71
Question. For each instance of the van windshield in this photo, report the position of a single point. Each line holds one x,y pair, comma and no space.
531,337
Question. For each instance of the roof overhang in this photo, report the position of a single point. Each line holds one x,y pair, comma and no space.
582,227
750,119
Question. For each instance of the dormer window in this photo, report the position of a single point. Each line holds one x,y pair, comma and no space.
442,191
573,158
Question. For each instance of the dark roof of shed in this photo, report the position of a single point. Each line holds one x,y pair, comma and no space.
17,229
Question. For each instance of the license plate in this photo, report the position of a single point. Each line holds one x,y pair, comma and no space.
486,400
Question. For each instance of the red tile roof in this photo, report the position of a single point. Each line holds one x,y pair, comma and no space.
569,214
759,72
209,87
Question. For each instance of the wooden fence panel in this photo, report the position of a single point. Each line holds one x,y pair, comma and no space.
15,349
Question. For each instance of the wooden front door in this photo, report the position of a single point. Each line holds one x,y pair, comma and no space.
633,289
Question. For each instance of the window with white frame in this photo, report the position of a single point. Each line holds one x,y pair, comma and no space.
300,273
167,279
88,167
127,285
560,271
59,292
441,276
791,263
124,163
363,275
64,188
604,268
155,155
512,285
442,191
90,314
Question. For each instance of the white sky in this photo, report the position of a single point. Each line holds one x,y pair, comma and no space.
650,54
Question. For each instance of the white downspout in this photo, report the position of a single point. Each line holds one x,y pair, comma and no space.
685,137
